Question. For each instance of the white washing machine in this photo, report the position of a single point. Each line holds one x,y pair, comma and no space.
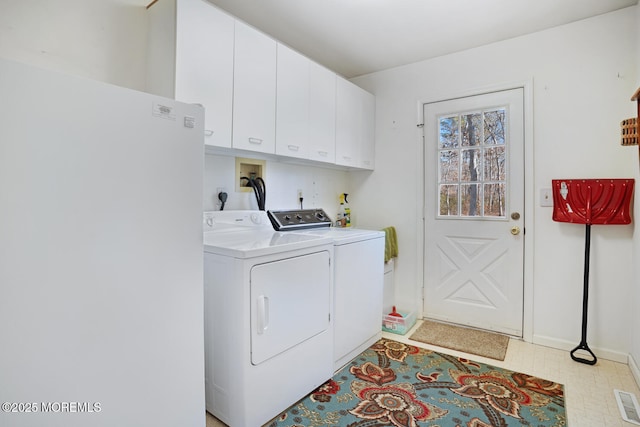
358,279
268,316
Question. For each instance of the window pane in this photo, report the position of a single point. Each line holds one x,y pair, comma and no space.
449,166
471,165
494,195
494,164
494,127
470,200
449,200
471,128
449,134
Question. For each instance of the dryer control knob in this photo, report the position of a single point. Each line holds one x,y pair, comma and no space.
256,219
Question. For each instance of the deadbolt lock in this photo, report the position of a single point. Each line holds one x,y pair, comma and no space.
515,215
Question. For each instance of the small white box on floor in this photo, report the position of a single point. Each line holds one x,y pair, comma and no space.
399,325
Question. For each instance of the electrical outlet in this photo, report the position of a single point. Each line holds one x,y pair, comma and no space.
546,197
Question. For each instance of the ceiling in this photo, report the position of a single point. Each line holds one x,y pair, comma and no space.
355,37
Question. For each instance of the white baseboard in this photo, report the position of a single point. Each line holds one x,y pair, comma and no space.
635,370
601,353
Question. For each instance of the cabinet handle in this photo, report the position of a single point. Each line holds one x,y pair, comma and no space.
366,162
323,153
263,314
347,158
208,132
293,147
255,141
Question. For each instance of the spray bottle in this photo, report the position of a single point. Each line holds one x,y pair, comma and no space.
347,211
341,220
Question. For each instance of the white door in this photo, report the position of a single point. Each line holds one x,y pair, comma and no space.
474,211
290,303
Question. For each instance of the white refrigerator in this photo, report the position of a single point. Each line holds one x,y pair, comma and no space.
101,318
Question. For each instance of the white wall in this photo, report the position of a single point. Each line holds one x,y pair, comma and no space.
106,40
98,39
583,76
320,187
634,358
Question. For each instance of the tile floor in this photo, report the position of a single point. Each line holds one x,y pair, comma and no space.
588,389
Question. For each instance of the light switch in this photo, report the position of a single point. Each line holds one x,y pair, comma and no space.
546,197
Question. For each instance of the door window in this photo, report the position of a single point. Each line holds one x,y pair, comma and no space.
472,164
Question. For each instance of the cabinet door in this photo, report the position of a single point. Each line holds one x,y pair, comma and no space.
254,90
347,123
354,126
190,58
358,271
322,114
367,126
292,104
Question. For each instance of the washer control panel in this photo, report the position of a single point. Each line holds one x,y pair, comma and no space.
299,219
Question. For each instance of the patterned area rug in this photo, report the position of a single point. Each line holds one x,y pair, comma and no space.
394,384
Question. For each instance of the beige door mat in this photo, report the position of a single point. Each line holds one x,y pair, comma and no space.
468,340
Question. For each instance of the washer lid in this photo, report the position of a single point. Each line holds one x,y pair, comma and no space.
343,236
252,243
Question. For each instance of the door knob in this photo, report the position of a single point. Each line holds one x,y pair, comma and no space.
515,230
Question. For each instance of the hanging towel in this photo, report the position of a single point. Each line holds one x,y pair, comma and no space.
390,243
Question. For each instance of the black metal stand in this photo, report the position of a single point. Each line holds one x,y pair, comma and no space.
585,305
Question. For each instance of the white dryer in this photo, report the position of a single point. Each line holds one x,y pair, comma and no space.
268,316
358,278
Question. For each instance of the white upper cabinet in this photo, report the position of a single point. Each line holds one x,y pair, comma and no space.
258,94
305,108
347,119
254,90
355,109
191,46
292,104
368,123
322,114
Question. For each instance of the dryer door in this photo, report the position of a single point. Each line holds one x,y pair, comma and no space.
290,303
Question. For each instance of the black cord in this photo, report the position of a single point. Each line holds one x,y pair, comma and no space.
222,196
259,189
262,189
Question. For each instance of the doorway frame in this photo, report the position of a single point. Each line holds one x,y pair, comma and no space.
529,191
